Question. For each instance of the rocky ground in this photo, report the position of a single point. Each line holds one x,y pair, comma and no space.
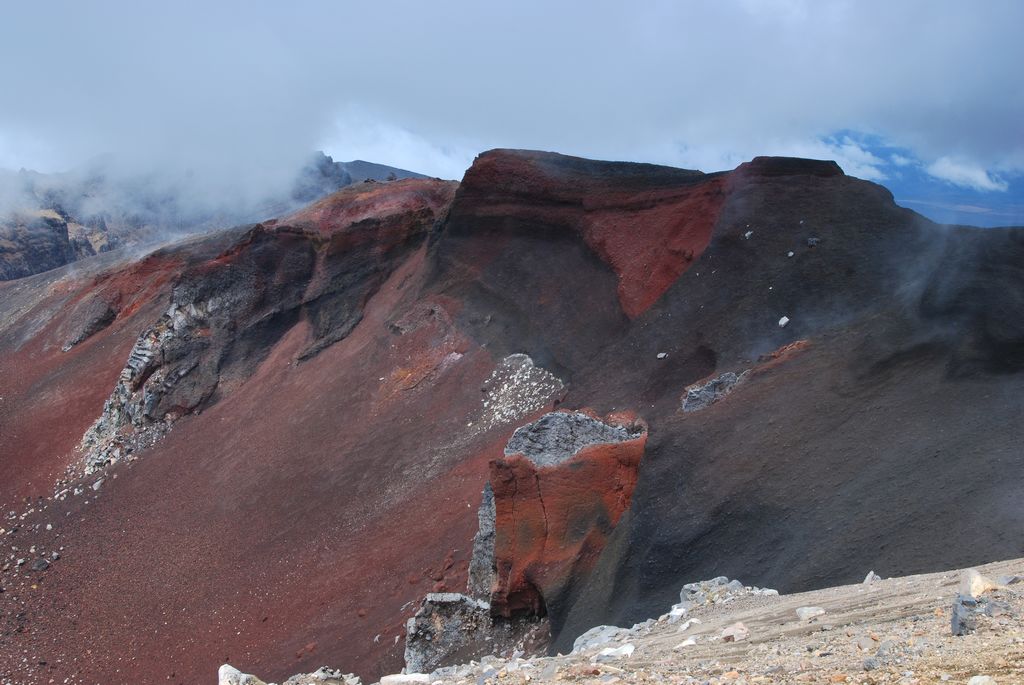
894,630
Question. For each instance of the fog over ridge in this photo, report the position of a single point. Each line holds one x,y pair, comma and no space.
225,101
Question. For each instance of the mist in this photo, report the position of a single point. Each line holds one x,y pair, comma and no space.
222,104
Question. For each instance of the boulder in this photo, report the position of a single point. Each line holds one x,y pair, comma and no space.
229,675
974,584
597,636
737,632
807,613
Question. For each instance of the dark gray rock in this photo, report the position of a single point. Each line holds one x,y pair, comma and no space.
451,629
481,565
558,436
703,396
964,620
90,316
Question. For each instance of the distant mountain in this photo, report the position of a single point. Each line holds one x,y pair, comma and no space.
48,220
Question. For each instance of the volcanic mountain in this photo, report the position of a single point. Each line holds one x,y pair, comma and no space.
264,445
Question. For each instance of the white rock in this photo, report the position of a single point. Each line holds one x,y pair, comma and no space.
974,584
789,254
982,680
406,679
686,626
676,612
748,234
871,577
229,675
688,642
783,322
611,653
807,613
597,636
737,632
662,355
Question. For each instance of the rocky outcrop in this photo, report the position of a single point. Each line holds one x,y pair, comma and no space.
318,266
451,628
702,395
560,489
481,564
564,481
32,243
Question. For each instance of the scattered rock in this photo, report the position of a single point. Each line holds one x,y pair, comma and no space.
40,565
324,676
807,613
871,577
719,590
516,388
871,664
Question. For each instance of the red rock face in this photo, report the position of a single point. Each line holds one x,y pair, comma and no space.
552,521
647,223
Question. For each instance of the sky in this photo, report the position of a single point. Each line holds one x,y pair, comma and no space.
925,97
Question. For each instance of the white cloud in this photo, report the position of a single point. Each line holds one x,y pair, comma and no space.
853,157
240,89
358,135
900,160
965,175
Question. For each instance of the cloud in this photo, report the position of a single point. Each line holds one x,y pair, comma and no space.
965,175
232,94
358,135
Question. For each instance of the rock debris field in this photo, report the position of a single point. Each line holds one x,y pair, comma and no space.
897,630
